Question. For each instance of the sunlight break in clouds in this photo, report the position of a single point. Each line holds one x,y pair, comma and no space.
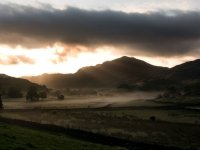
36,37
166,62
48,60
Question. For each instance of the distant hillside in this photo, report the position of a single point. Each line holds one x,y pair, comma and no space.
51,80
7,82
124,70
186,72
186,75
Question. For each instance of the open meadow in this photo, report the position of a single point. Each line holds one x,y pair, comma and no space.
22,138
99,75
140,120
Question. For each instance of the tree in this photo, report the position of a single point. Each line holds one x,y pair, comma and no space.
14,92
1,104
32,94
43,94
3,91
61,97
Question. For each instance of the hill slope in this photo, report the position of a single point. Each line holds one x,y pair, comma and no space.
124,70
187,71
109,74
7,82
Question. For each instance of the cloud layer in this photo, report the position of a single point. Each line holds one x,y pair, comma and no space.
13,60
153,33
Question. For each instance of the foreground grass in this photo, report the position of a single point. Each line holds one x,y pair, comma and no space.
20,138
172,127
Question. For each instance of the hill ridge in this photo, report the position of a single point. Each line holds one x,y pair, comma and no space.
108,74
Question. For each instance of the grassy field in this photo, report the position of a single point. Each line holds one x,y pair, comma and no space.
174,124
172,127
20,138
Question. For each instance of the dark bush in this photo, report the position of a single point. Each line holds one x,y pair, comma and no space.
152,118
61,97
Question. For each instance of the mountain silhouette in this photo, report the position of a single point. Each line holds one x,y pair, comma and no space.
124,70
186,72
7,82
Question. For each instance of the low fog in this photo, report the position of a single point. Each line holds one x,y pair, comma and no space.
85,101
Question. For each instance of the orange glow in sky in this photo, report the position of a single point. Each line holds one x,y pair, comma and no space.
62,59
50,60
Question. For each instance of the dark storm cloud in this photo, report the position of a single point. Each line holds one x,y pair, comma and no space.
155,33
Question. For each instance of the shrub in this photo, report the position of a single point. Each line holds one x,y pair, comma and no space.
152,118
61,97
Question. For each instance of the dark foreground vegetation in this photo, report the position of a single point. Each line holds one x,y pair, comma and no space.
14,137
170,126
58,137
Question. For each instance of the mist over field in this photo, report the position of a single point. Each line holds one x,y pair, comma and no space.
99,75
87,101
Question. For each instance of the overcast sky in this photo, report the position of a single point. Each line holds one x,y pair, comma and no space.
123,5
161,32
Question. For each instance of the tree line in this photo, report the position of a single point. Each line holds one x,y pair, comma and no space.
32,93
